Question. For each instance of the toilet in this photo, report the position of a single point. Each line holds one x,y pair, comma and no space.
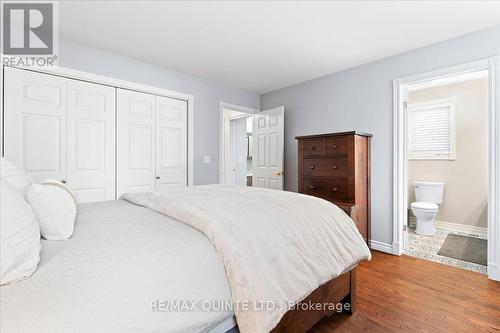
428,196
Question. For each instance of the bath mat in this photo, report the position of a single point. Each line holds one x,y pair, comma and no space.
465,248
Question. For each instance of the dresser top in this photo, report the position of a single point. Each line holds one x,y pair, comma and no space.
332,134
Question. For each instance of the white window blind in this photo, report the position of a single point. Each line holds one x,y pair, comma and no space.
430,129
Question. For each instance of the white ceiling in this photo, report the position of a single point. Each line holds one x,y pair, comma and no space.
262,45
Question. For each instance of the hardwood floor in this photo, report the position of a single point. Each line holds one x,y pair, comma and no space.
406,294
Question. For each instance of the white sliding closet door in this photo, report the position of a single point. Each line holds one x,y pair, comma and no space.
171,143
35,123
136,136
91,141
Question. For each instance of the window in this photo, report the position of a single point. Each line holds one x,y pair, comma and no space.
431,132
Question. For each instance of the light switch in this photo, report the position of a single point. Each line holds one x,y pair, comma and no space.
206,159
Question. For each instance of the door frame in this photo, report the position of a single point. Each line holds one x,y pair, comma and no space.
118,83
223,133
400,171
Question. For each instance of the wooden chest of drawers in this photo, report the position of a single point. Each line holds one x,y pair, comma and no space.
336,167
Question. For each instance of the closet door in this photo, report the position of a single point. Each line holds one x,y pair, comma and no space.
91,141
135,142
35,123
171,143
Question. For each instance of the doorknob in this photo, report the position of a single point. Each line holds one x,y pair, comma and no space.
279,173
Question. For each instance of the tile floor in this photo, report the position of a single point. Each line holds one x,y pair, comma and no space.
427,247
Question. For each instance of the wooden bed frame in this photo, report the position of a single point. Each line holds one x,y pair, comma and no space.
342,290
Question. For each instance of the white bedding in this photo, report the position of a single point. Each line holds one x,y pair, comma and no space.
120,258
276,246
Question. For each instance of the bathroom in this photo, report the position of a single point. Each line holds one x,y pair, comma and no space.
447,163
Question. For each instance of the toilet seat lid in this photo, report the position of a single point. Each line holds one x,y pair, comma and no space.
424,205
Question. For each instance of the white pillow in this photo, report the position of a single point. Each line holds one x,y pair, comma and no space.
20,236
15,175
55,209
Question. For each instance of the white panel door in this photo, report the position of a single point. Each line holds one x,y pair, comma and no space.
171,143
91,141
135,142
35,123
268,149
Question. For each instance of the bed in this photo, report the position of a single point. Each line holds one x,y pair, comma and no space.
120,259
127,256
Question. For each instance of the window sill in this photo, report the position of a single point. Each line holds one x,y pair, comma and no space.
431,158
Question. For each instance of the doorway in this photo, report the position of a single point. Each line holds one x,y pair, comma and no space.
252,146
236,144
237,147
402,87
447,163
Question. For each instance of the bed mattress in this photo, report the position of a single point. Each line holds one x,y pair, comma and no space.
105,278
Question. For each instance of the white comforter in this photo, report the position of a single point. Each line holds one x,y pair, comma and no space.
276,246
120,259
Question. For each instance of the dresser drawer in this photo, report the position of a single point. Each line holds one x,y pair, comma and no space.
329,189
336,145
313,147
325,167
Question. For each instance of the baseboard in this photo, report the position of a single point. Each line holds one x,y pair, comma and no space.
397,249
494,271
458,228
379,246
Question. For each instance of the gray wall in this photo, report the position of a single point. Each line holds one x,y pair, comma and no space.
207,96
361,99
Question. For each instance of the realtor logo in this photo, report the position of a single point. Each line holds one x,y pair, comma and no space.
29,33
28,28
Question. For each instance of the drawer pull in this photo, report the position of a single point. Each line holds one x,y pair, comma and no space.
311,148
334,167
334,189
312,167
312,187
334,146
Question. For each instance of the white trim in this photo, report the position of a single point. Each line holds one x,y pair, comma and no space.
238,116
400,193
399,204
450,80
118,83
494,171
460,229
223,132
239,108
379,246
1,106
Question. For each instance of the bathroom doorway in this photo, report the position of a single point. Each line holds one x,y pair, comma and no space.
447,163
446,167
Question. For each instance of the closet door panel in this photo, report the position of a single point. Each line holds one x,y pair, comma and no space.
171,143
136,134
91,141
35,130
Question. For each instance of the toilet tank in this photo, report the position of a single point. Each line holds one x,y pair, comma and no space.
429,192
